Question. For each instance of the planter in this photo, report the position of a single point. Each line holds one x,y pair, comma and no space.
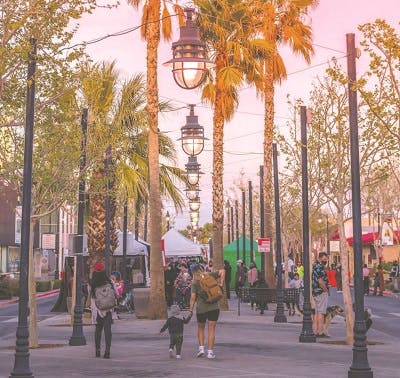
141,297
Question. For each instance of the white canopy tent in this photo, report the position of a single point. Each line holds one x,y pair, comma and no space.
133,247
176,245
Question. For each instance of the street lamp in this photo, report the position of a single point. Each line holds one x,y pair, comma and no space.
192,134
21,357
193,170
194,205
167,218
189,58
360,367
192,192
194,216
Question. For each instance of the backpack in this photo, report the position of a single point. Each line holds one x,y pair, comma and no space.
211,291
105,297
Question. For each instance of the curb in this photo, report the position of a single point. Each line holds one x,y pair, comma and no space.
37,296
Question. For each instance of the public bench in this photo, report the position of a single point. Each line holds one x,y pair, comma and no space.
264,296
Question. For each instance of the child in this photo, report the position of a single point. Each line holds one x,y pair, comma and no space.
175,328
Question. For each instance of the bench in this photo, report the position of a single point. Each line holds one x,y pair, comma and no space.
265,296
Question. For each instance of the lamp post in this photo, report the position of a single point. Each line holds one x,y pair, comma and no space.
244,226
360,366
189,61
108,213
280,314
237,228
251,221
167,218
192,134
229,224
21,357
124,240
194,204
77,337
262,234
307,334
232,226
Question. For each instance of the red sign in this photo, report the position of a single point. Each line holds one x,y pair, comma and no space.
264,245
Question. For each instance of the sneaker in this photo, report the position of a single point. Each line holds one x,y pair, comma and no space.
178,356
171,353
210,354
200,353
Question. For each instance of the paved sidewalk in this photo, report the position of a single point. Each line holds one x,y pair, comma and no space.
249,345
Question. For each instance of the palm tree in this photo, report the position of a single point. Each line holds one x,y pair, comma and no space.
151,30
281,24
127,134
227,28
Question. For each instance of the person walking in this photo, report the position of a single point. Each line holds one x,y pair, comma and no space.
252,278
182,285
104,297
294,283
240,276
228,276
331,273
207,305
320,290
175,325
379,281
169,279
365,273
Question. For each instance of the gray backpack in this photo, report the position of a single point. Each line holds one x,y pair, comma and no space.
105,297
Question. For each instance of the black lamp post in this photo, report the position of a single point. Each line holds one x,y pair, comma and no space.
251,221
360,367
77,337
237,229
124,240
262,234
192,134
108,213
229,224
244,225
167,218
189,57
193,170
307,334
280,316
21,357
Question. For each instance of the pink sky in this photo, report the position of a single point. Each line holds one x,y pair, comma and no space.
331,20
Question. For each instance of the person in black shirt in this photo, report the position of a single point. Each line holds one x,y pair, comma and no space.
175,328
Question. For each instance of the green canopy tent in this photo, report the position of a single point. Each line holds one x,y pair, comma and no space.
230,255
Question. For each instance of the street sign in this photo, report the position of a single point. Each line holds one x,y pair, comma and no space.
264,245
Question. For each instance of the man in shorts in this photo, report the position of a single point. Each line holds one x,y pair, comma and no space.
320,293
205,311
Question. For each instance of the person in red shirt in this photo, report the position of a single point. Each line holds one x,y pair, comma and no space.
331,273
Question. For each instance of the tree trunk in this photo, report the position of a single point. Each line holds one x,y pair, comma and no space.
218,173
33,326
344,259
268,195
157,307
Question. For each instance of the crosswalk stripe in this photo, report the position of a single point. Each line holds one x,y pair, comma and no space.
373,316
12,320
395,314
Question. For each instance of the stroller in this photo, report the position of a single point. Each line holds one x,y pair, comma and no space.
125,303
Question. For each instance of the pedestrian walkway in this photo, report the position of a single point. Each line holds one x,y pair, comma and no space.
251,345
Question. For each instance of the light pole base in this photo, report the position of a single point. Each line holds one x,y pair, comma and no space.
280,318
307,338
365,373
77,341
22,375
